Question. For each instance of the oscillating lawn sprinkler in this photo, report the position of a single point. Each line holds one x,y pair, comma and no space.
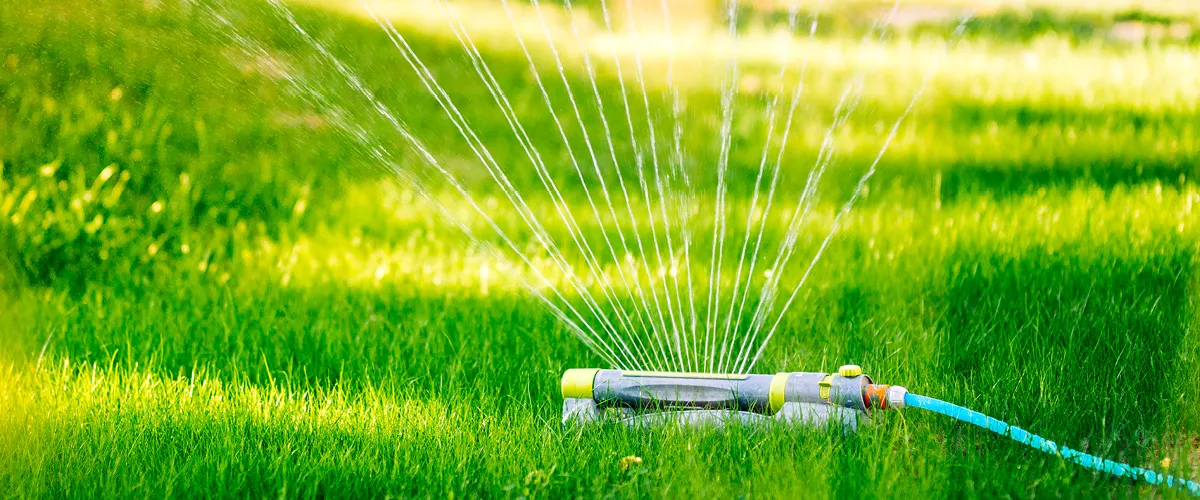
843,399
639,398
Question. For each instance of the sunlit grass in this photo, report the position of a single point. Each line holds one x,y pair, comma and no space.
1048,70
406,245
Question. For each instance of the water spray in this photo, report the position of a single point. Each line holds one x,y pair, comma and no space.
844,400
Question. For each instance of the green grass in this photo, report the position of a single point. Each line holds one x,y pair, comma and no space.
207,290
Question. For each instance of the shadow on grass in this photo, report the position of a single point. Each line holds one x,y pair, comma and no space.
1138,149
1078,346
966,180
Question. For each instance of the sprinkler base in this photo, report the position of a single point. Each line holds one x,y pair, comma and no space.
585,411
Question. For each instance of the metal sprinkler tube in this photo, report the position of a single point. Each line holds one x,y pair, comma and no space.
648,398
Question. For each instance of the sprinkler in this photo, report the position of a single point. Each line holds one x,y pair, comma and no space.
843,399
639,398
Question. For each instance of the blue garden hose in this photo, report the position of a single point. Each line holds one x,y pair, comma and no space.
1039,443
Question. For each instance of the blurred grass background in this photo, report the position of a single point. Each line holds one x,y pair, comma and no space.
207,289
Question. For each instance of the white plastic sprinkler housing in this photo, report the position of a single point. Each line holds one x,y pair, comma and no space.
844,398
895,397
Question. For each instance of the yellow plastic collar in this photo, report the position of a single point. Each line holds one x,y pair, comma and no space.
577,382
778,394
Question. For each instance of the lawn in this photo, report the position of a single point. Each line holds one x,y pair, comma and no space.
213,282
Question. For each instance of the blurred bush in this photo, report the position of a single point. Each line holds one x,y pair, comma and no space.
114,151
72,221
